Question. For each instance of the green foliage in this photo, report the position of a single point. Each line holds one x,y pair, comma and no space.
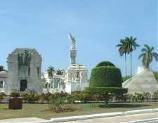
31,98
148,55
106,90
45,97
155,95
58,101
156,76
105,80
105,77
105,63
2,95
50,71
25,96
59,72
147,95
81,96
126,78
139,97
14,93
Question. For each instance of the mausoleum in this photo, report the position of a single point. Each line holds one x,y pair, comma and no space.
24,71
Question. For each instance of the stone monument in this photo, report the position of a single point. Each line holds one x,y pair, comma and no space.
143,81
76,75
73,50
24,71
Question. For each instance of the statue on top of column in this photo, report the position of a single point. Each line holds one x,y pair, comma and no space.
73,42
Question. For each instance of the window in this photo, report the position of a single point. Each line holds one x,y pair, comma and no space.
1,84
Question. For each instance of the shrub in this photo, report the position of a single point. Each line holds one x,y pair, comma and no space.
105,77
14,93
129,97
155,95
138,97
70,99
80,96
147,95
106,90
106,80
58,101
25,97
2,95
32,98
105,63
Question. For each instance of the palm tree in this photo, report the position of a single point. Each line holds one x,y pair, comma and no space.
131,46
50,71
123,51
148,55
59,72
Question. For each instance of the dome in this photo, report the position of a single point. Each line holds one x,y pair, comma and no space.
3,74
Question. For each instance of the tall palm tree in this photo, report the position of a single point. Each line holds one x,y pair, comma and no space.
123,51
50,71
147,56
131,46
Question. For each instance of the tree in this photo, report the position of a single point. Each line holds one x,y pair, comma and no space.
131,46
50,71
148,55
106,80
59,72
123,51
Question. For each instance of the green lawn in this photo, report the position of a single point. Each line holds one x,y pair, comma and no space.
41,110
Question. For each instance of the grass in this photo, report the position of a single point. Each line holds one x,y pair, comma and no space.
41,110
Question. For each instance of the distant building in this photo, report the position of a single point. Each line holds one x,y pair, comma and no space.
55,83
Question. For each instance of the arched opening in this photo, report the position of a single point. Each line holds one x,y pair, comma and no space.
23,85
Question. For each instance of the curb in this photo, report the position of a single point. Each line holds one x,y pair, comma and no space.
84,117
143,121
141,111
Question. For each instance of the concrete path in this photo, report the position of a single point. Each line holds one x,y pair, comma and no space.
119,119
23,120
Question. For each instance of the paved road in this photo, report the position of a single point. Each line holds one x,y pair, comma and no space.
20,120
118,119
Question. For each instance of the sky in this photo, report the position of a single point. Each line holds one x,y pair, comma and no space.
97,25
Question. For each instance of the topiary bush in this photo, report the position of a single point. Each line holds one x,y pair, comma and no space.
105,63
105,76
106,80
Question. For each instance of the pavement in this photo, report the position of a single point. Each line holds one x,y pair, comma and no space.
144,117
23,120
121,119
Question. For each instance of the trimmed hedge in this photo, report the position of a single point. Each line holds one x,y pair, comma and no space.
105,63
105,76
106,90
